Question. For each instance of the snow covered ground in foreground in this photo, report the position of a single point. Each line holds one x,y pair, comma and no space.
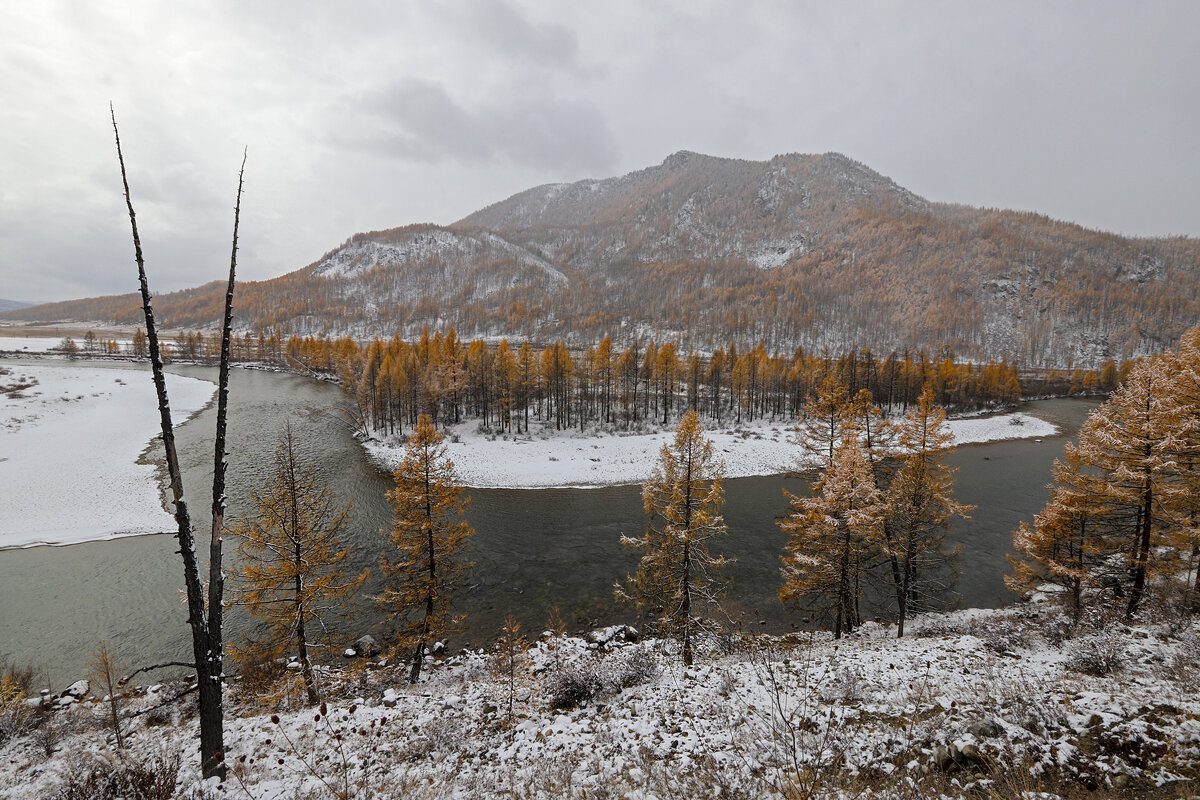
550,458
971,704
69,447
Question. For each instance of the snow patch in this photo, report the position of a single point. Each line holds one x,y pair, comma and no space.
71,445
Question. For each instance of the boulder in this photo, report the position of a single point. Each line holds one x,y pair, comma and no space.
985,729
78,689
366,646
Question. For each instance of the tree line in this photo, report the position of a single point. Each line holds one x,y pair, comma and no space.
393,381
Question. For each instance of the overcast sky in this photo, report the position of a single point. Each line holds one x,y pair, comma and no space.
362,116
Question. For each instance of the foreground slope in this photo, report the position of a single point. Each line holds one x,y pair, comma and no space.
801,250
976,704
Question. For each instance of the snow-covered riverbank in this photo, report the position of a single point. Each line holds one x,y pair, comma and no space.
69,449
549,458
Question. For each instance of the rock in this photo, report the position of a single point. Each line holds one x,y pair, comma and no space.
350,652
293,665
77,690
987,728
490,708
942,758
613,634
438,648
366,646
63,702
1120,781
390,698
971,752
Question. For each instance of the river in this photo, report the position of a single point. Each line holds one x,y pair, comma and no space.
533,549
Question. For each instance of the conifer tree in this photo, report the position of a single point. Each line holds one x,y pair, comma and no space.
292,554
677,576
832,535
827,419
920,506
430,535
1185,447
1065,546
1128,441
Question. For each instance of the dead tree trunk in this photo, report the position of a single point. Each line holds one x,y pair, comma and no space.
206,630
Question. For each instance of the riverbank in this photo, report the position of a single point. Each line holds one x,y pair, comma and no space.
71,447
546,458
1008,703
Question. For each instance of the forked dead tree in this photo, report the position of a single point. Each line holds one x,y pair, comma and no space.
205,623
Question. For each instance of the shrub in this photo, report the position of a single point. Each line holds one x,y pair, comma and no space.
636,668
574,685
1101,654
151,776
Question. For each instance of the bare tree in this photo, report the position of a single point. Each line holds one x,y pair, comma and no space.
205,623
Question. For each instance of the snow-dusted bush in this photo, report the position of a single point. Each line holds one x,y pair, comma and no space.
636,667
574,685
150,776
1100,654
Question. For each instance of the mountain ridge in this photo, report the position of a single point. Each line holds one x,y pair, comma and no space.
816,251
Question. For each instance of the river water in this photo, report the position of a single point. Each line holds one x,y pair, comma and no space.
533,549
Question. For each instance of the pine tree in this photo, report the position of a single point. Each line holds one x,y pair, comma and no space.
677,577
920,507
430,536
832,535
292,555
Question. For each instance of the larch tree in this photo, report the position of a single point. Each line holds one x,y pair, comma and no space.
920,506
1185,447
1128,441
827,418
1066,544
677,578
831,537
292,557
430,536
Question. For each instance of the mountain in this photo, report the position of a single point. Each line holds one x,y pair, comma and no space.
12,305
817,251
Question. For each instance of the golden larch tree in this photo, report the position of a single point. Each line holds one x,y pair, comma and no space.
677,576
1130,441
920,507
430,536
292,553
831,537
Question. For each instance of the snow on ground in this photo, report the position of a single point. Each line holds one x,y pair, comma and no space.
972,704
32,344
549,458
69,447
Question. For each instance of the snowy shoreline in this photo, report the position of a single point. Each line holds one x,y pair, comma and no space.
72,469
549,459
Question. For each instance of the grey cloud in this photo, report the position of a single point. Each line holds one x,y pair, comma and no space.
418,120
502,27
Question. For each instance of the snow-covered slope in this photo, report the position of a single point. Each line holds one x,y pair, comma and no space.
1008,704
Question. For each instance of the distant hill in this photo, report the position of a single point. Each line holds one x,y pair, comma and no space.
11,305
816,251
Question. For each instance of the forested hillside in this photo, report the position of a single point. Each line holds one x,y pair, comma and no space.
802,250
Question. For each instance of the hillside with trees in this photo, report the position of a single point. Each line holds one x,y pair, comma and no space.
813,251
